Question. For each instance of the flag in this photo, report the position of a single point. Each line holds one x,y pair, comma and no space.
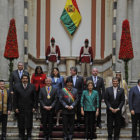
71,17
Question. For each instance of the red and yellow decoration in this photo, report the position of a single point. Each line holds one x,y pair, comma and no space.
126,50
4,106
11,47
69,94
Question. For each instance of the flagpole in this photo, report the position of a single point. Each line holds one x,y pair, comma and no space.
70,46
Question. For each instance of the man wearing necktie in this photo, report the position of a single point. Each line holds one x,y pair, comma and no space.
47,98
24,106
5,108
114,99
16,76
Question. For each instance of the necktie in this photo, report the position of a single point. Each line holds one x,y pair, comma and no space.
20,74
25,86
95,81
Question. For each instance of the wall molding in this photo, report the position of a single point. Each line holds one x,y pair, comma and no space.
63,60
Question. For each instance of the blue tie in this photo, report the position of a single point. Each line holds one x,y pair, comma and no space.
20,73
95,82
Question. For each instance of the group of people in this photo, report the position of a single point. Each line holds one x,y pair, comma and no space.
74,96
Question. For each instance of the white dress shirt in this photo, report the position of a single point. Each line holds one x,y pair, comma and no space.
138,87
74,79
20,73
115,92
55,79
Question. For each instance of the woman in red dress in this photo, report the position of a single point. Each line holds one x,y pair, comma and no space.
38,79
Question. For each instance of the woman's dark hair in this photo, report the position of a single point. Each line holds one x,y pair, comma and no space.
69,79
52,74
38,67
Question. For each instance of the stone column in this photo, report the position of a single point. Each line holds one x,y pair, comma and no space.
4,26
122,14
19,17
135,34
70,62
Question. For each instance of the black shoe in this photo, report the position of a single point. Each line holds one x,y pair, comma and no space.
28,138
70,137
94,136
99,125
21,138
65,138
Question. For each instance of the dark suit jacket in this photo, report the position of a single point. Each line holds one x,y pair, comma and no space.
79,85
8,102
15,79
134,99
65,100
44,101
114,103
99,86
24,99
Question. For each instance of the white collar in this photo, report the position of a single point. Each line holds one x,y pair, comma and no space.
115,88
74,76
94,76
20,71
138,87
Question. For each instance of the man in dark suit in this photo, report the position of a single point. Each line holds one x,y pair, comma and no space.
24,106
78,83
98,84
47,98
68,99
5,108
114,99
134,105
15,78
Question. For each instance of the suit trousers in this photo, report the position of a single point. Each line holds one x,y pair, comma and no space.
89,123
99,116
78,110
113,121
135,120
50,66
3,120
87,67
68,125
25,121
47,120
